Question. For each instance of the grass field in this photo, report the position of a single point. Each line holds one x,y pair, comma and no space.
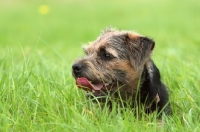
40,40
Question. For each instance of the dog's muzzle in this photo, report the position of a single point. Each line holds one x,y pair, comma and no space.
84,83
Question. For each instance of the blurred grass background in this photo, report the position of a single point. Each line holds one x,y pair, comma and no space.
70,23
39,40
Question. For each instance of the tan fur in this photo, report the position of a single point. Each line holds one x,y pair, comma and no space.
133,35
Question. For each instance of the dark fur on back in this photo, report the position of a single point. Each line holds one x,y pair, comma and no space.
150,87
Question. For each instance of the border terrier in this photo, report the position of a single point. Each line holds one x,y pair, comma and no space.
119,63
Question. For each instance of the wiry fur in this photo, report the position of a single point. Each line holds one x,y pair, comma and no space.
123,57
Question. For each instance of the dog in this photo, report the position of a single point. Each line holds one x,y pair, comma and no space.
119,63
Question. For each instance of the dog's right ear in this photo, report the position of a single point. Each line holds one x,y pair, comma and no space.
139,48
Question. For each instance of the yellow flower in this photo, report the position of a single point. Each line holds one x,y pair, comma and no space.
44,9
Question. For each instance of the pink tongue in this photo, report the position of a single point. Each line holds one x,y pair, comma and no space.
85,84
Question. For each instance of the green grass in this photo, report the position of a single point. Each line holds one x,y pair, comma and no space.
37,91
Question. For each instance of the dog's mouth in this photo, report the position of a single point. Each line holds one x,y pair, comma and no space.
96,89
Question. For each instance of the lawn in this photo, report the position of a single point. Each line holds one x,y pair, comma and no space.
39,40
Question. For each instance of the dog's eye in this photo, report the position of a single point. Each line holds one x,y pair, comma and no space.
107,55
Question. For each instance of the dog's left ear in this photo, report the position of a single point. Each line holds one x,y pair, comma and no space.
139,48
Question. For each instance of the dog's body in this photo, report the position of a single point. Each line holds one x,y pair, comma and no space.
120,61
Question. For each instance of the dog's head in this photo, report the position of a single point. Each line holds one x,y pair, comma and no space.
115,59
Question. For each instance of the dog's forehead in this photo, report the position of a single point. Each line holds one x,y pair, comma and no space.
113,32
110,39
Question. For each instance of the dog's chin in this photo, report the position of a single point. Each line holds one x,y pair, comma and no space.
95,89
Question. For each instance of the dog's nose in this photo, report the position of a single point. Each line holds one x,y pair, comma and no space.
77,68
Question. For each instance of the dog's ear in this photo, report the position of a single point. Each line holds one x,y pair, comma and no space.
139,48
